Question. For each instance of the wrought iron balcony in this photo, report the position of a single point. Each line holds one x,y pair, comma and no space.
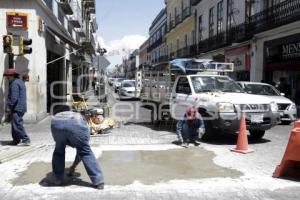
89,44
172,55
195,2
163,58
75,19
90,3
193,50
155,44
81,31
186,13
280,14
171,25
212,43
183,53
177,20
65,6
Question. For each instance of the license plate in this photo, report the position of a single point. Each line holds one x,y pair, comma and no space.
257,118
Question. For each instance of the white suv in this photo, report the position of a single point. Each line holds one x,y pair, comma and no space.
287,108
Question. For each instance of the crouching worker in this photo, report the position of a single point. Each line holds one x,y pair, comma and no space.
70,128
189,127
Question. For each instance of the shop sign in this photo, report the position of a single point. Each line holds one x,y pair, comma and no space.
16,20
238,60
291,51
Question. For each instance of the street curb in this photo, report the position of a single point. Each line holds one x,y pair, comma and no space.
19,154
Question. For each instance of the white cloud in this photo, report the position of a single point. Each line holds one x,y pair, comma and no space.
118,49
124,46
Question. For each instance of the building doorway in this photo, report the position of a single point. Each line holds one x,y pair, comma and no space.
55,89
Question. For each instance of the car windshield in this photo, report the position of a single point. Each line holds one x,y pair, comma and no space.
128,84
261,89
213,83
121,79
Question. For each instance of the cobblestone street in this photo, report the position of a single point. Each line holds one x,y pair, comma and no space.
253,181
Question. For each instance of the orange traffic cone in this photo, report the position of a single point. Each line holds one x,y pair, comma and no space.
242,143
297,124
291,158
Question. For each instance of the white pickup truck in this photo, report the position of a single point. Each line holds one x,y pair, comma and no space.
219,99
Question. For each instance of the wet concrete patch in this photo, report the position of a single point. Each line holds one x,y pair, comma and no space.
147,167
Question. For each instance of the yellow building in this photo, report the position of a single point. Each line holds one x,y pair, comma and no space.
181,38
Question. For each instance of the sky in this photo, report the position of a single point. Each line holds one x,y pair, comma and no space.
123,25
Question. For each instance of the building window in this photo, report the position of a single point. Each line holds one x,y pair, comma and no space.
200,28
220,17
49,3
211,22
70,30
230,17
61,17
185,40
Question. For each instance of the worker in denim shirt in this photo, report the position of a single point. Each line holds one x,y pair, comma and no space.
16,106
189,127
71,129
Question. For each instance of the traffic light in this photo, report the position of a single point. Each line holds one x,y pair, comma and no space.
24,46
7,44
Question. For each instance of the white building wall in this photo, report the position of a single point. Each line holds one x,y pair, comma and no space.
32,63
35,63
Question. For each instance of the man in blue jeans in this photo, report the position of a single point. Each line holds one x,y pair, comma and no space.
16,106
189,127
70,128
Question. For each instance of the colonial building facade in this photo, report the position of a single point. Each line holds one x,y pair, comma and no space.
63,47
157,38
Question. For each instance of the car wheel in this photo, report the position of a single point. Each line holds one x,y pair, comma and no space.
257,134
208,135
286,122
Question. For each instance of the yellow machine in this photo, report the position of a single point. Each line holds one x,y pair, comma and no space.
79,102
94,117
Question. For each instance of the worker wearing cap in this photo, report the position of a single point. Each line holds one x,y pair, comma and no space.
16,105
189,127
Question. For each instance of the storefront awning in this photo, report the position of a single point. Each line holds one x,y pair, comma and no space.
64,38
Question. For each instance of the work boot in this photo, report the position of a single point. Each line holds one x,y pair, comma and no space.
13,143
24,143
185,145
196,143
180,140
99,186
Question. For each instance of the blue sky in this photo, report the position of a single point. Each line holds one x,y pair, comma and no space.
124,24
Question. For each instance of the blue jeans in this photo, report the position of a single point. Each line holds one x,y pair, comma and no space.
75,133
17,127
189,134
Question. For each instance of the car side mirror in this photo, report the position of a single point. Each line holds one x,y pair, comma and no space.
282,94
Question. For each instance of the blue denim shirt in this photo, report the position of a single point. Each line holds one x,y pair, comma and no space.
182,125
17,96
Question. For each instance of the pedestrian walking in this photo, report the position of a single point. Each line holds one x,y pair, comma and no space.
16,106
284,87
70,128
188,128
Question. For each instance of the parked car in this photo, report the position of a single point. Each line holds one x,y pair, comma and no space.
286,108
117,84
127,90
